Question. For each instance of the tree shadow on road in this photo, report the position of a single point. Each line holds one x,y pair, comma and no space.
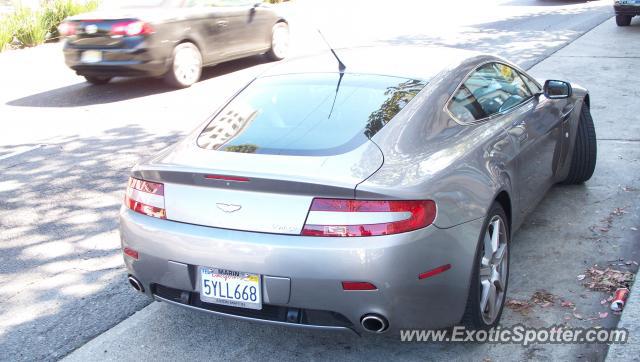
120,89
62,278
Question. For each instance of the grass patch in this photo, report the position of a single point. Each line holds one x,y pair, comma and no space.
54,12
30,27
33,26
6,32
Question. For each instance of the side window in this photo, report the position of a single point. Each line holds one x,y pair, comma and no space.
533,87
490,89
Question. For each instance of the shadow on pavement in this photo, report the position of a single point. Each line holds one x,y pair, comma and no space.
120,89
62,279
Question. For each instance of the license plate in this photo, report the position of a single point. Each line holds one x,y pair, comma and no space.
91,56
232,288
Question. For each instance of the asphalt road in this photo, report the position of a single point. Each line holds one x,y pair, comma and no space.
66,147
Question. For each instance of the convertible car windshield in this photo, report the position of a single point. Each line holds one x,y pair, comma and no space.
308,114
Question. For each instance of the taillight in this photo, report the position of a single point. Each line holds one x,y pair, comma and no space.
67,29
145,197
131,28
333,217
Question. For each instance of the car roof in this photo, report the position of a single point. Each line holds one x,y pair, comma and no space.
412,62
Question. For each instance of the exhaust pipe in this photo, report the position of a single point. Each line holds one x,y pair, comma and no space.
135,283
374,323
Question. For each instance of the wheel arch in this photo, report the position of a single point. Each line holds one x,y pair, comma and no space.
504,199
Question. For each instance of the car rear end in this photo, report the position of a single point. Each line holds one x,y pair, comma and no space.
625,10
627,7
254,216
112,44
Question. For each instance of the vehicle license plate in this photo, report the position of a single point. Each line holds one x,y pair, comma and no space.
91,56
232,288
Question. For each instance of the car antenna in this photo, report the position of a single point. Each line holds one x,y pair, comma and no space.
341,68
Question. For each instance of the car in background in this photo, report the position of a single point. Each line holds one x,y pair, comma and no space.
625,10
374,194
173,39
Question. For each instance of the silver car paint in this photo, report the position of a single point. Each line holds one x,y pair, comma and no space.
317,265
427,155
464,167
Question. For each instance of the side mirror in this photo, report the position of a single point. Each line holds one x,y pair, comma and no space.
557,89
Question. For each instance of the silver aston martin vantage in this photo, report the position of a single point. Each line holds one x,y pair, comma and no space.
373,196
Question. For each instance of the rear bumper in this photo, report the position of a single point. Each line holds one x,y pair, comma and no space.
139,61
170,253
632,10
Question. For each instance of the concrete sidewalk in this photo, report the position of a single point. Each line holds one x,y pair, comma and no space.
549,251
607,60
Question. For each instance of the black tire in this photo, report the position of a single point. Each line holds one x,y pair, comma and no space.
274,54
173,76
95,80
623,20
585,150
472,318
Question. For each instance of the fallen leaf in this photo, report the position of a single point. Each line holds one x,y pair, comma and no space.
604,301
581,277
603,315
607,280
633,228
578,316
521,306
543,298
567,304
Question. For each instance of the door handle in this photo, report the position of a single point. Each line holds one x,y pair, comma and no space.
222,23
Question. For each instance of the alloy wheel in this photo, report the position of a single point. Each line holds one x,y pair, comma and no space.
280,41
187,65
493,270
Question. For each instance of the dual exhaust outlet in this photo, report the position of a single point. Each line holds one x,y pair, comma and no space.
373,323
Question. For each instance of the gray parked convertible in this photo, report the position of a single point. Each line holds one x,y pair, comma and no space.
373,197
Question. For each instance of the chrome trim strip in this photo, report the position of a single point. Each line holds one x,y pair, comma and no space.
306,326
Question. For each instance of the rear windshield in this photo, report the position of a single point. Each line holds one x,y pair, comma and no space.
308,114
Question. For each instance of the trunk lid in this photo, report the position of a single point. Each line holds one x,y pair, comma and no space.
261,193
93,29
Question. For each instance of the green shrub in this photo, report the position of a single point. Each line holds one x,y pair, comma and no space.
34,26
55,11
30,27
6,31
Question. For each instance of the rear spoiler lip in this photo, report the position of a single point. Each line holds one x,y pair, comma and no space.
292,186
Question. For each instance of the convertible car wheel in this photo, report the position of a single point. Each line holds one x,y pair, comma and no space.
186,67
279,42
491,273
623,20
97,80
583,161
